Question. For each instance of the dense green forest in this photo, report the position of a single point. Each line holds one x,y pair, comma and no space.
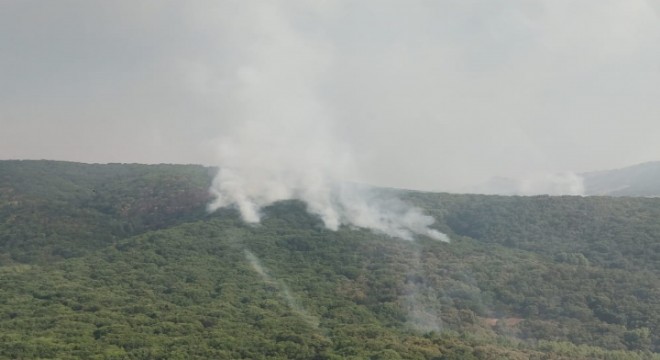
122,261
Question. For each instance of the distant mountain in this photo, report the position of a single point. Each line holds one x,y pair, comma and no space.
642,180
637,180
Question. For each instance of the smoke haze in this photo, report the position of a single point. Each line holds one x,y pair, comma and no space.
427,95
562,183
284,145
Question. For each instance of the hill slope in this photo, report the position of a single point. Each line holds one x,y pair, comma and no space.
99,274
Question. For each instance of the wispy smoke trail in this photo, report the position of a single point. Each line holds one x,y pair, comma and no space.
420,301
561,183
283,145
282,288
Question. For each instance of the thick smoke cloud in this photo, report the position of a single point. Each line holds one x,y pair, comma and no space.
283,145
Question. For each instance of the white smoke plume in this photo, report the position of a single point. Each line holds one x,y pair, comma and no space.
283,144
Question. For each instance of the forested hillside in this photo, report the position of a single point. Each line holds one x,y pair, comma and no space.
122,261
53,209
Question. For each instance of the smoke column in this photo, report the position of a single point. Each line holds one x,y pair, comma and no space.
283,144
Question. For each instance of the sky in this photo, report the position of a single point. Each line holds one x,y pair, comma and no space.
419,94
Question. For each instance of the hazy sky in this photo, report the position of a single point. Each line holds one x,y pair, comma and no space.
430,95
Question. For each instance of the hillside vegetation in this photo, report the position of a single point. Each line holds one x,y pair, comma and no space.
123,262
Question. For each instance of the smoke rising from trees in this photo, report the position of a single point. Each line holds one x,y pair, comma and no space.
284,144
